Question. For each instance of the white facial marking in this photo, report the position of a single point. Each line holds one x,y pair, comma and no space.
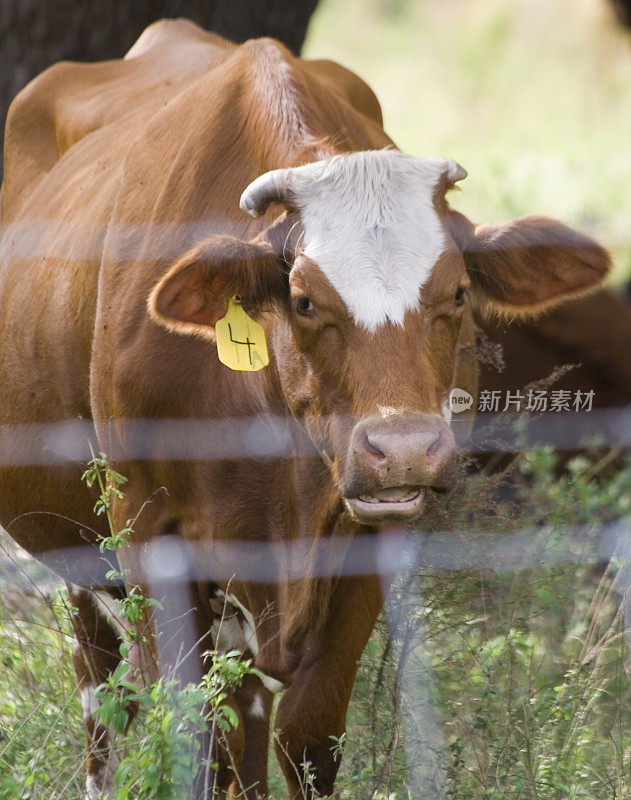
371,227
230,633
108,606
89,702
257,709
104,738
100,784
92,788
249,628
227,634
272,685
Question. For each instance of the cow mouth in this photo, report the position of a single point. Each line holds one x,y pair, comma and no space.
394,503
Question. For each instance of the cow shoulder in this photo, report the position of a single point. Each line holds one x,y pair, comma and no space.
30,149
354,90
69,101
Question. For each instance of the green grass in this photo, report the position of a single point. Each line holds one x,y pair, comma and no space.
532,97
41,736
524,672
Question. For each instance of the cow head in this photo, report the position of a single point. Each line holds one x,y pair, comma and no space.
373,279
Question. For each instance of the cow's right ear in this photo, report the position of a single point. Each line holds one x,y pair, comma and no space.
194,293
524,266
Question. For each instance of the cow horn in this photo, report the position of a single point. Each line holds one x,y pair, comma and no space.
454,172
271,187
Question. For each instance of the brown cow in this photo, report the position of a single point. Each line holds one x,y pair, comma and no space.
558,367
592,334
122,242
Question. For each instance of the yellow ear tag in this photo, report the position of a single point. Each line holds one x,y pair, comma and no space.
241,341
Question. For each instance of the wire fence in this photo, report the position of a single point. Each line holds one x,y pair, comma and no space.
172,564
266,436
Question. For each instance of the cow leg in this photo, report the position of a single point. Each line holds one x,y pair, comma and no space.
241,753
313,708
95,656
222,751
255,704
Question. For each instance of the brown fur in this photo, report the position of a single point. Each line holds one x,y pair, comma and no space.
136,167
592,334
505,263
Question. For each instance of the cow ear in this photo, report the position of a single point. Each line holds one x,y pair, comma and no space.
194,293
523,266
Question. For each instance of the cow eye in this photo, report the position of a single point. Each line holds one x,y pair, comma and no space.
303,306
461,296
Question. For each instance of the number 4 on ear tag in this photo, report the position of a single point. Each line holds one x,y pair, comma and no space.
241,341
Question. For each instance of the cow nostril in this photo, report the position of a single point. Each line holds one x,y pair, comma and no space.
372,449
435,445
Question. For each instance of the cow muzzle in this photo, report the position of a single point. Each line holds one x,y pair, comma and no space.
393,462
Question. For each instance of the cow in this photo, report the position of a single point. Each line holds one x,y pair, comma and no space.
578,351
144,198
591,334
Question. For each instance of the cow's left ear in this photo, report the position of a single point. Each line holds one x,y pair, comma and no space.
194,293
523,266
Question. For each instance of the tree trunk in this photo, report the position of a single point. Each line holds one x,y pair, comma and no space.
623,11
